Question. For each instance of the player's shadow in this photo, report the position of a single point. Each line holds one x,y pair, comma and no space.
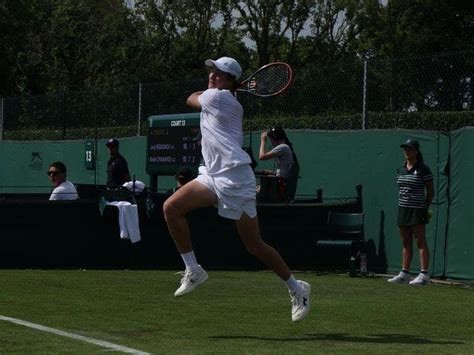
340,337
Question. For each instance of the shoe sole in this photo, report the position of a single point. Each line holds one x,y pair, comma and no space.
196,285
421,284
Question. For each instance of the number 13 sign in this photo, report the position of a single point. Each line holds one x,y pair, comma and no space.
89,158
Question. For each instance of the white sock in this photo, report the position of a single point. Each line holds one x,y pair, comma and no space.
293,284
190,260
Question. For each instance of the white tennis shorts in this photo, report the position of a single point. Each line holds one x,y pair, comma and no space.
235,191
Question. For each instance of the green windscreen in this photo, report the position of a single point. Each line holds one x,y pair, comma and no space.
334,161
460,243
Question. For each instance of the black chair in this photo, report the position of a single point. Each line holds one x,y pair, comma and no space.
345,231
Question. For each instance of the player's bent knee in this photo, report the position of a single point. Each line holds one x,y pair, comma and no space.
170,210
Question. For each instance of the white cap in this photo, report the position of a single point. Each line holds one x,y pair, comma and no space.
227,65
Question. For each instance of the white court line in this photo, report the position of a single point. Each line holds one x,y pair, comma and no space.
62,333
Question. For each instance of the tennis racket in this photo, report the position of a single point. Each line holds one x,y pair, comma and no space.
270,80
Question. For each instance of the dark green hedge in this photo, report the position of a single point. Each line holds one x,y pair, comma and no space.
73,133
435,121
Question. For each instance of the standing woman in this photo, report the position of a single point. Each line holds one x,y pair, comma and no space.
414,178
227,180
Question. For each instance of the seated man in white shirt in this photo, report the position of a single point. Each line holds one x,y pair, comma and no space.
63,189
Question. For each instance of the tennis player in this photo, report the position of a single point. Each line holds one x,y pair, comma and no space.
228,182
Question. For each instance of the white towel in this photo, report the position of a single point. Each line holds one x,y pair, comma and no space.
136,186
128,220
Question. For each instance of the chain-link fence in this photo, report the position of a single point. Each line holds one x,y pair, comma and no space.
357,95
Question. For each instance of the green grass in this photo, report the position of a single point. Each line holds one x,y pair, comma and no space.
234,312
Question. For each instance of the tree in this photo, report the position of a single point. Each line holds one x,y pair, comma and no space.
92,43
58,44
405,28
262,21
183,34
22,27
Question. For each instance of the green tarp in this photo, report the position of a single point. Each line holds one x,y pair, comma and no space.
335,161
460,241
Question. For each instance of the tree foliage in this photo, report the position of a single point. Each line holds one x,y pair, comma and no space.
54,45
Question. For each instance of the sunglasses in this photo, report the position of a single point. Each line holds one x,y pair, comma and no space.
408,149
52,173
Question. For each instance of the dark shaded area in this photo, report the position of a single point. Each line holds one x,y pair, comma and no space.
37,233
341,337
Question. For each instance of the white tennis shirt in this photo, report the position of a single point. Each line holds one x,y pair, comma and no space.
221,129
65,191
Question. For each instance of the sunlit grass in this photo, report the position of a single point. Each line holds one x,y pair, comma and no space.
234,312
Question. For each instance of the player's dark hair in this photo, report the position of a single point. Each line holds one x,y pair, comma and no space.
60,166
278,133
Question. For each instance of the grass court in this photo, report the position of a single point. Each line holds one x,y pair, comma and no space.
232,313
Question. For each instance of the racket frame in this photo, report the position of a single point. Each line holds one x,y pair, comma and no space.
245,84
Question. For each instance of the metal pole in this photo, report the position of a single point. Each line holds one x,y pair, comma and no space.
63,112
153,182
1,120
139,130
96,150
364,99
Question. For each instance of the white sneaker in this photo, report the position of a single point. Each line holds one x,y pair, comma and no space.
421,280
300,302
401,278
191,280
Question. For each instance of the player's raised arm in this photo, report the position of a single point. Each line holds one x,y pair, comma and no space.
193,100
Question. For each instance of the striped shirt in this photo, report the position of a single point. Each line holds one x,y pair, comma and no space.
411,185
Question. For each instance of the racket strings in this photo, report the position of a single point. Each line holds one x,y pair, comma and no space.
271,80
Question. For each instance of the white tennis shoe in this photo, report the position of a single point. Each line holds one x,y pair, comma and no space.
421,280
401,278
191,279
300,302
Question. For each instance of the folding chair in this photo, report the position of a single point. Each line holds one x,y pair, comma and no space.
345,232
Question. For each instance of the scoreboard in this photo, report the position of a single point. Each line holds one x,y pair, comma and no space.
173,141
